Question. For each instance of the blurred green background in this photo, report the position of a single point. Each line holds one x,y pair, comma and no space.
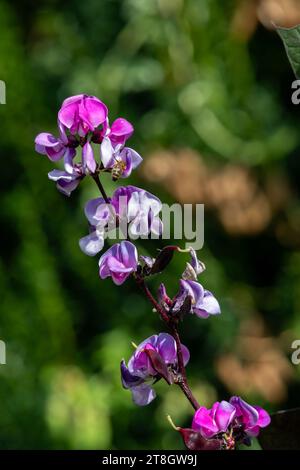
207,86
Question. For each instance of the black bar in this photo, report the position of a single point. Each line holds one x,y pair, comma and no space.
140,459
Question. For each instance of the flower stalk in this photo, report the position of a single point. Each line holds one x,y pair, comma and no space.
83,120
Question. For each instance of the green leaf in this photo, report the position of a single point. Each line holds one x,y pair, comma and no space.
291,41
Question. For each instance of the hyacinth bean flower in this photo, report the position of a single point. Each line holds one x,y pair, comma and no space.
202,302
47,144
119,262
194,268
114,155
230,422
131,205
88,160
196,264
146,364
120,131
210,422
251,418
99,215
68,179
81,114
139,208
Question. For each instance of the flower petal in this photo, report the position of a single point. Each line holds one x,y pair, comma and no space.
91,244
204,423
65,182
107,153
185,354
68,160
88,160
264,418
224,415
129,380
97,212
167,348
120,131
96,110
143,394
208,306
128,254
47,144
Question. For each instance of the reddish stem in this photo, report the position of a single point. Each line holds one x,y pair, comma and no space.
142,284
181,378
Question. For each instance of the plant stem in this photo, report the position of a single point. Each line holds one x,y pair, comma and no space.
142,284
181,378
100,187
96,178
183,382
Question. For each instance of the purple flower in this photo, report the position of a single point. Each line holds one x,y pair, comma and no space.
121,160
251,418
88,160
194,268
99,216
68,179
93,243
139,208
119,262
147,365
230,422
163,297
210,422
120,131
82,114
128,205
47,144
203,303
196,264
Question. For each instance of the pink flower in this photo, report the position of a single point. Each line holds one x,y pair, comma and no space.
120,131
130,205
82,114
114,154
119,262
230,423
47,144
215,420
68,179
152,360
251,418
88,160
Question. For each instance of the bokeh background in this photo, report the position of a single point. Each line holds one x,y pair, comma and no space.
208,87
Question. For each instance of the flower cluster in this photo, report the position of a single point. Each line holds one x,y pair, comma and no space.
133,212
191,296
154,358
119,262
225,425
82,121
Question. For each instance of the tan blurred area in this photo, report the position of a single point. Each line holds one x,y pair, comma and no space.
243,205
259,364
249,13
